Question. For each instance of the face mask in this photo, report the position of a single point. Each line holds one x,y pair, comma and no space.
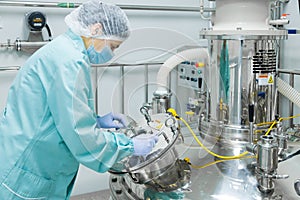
100,57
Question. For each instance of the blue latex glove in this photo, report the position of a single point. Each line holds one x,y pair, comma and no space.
111,120
143,144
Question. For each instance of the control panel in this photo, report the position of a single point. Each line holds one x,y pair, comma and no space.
190,74
191,90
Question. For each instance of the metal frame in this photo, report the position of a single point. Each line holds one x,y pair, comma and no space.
291,73
243,34
125,7
122,73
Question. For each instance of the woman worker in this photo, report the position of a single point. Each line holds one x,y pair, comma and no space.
49,124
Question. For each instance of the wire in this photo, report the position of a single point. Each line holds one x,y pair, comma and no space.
174,113
264,123
280,119
258,131
206,149
269,130
225,158
49,32
214,162
291,117
286,118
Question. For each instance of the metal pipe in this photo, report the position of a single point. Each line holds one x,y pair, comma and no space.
29,47
20,43
146,74
101,65
32,4
125,7
289,71
251,120
291,74
123,88
10,68
291,104
202,11
164,8
124,64
277,9
96,91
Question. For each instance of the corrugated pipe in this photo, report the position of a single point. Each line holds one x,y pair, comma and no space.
289,92
172,62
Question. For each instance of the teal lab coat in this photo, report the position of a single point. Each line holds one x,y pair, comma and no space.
49,125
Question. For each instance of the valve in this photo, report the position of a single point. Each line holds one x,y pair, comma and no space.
145,111
267,163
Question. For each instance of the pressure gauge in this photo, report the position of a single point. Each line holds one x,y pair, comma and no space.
36,20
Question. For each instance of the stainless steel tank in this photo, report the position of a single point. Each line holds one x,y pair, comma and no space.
228,102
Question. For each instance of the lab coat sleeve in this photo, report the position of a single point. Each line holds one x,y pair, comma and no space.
75,119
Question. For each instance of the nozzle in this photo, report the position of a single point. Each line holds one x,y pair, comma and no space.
144,110
173,112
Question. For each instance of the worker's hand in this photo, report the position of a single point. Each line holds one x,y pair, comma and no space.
144,143
111,120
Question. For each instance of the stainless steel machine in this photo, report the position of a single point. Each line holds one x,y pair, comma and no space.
227,98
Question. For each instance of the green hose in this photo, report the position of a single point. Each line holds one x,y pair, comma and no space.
224,71
66,5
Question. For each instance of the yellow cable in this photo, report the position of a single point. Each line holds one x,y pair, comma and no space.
174,113
269,130
291,117
275,122
264,123
280,119
206,149
215,162
286,118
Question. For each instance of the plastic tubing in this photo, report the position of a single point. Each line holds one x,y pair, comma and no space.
173,61
288,91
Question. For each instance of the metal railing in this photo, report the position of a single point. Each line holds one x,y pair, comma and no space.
291,73
9,68
122,73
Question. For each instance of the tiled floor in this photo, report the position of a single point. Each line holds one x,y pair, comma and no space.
101,195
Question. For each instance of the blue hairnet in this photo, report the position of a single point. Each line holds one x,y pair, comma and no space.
115,24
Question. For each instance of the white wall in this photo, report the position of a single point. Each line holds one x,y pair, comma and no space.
153,33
